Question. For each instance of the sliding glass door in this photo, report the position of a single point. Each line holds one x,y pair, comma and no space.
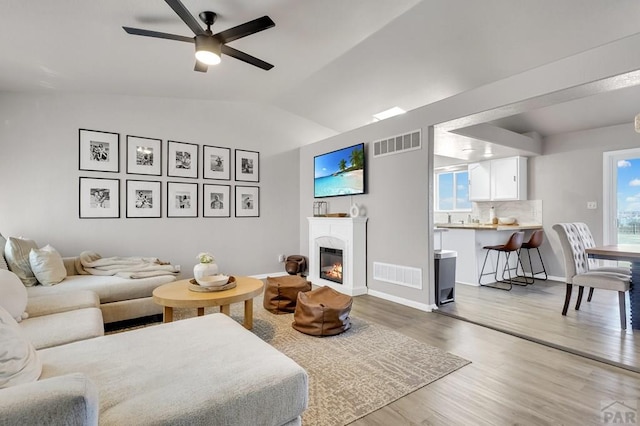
621,208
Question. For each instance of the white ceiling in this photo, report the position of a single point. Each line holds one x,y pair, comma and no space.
336,62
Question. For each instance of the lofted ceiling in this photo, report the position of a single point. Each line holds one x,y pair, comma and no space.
336,62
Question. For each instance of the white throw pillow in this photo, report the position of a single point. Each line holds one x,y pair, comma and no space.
19,362
13,295
16,251
47,265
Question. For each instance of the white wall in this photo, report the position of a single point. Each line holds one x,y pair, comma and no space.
567,175
39,178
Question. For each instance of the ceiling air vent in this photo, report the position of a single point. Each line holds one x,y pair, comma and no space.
397,144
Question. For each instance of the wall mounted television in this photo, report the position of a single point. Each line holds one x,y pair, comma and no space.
340,172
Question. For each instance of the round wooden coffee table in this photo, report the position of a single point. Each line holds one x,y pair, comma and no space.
178,295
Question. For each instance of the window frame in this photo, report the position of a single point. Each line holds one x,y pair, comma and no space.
455,174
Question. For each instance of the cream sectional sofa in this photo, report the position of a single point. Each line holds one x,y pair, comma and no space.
206,370
120,298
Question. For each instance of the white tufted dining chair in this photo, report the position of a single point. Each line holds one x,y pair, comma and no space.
577,270
587,239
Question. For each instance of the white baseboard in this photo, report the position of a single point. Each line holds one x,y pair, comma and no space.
402,301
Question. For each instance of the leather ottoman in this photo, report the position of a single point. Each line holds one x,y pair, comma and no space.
281,293
322,312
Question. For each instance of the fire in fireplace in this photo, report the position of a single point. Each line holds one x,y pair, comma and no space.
331,264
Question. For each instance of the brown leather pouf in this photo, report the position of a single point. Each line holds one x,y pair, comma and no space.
281,293
322,312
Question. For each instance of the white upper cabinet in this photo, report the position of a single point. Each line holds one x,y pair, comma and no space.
480,181
498,180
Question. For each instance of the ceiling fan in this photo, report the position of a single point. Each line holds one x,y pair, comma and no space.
209,46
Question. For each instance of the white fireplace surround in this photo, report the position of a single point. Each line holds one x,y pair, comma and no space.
348,234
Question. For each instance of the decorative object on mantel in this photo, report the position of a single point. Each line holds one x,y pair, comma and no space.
336,215
231,283
319,208
354,211
207,267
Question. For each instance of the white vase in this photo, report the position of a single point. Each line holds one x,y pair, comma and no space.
204,270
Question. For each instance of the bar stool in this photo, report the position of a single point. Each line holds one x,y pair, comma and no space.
535,241
513,245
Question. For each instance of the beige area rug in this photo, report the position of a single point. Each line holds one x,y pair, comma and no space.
354,373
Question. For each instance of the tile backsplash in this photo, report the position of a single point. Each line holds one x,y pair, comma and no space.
526,212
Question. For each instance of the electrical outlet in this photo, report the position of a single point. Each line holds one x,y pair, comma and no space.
177,267
592,205
281,258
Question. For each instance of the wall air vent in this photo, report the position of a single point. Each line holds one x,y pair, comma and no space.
398,144
396,274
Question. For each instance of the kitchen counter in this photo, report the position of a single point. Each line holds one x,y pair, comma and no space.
483,226
468,241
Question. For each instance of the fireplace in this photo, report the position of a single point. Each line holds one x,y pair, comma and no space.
331,264
338,253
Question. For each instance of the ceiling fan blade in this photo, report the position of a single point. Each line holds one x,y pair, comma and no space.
156,34
200,67
230,51
245,29
187,17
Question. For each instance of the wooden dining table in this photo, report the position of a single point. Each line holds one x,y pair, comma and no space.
625,253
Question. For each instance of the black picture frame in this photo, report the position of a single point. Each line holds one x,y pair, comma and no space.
216,162
182,159
98,198
182,199
216,200
144,156
98,151
144,198
247,201
247,166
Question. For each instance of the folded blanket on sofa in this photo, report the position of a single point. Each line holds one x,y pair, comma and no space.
127,267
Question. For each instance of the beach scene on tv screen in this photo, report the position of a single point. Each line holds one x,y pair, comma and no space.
340,172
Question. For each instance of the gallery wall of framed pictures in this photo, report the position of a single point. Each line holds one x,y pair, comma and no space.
185,192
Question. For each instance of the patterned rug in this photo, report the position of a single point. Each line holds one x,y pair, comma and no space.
352,374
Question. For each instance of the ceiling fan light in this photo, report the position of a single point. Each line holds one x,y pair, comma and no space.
207,50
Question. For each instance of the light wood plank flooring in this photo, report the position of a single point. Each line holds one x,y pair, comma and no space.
534,311
510,381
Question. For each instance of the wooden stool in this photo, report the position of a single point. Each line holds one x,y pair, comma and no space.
281,293
322,312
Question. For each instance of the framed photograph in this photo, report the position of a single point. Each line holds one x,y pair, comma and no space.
144,156
216,200
182,159
216,162
247,166
143,198
99,151
182,199
99,198
247,201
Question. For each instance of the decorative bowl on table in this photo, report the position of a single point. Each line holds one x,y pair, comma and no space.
216,280
507,220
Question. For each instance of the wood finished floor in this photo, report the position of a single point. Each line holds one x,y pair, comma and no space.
535,311
510,381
